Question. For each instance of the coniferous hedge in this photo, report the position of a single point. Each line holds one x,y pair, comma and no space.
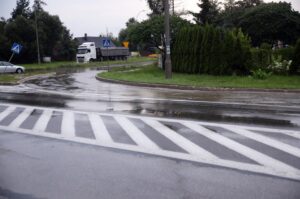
210,50
295,68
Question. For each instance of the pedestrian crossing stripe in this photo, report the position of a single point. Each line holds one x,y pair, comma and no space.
265,164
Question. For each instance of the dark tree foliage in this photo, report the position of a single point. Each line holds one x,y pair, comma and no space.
248,3
271,22
38,5
148,35
229,17
55,39
156,6
208,12
295,68
22,9
124,34
263,22
151,31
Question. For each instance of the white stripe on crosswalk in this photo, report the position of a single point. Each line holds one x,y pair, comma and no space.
266,164
295,134
68,124
239,148
21,117
99,129
6,112
181,141
138,137
266,140
42,122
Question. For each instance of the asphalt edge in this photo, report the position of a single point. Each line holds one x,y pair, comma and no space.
21,81
180,87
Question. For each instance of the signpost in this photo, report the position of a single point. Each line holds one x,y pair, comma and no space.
106,44
16,49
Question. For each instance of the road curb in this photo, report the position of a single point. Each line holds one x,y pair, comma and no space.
180,87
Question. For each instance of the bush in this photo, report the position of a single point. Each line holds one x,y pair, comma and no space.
261,58
280,66
295,66
285,53
210,50
260,74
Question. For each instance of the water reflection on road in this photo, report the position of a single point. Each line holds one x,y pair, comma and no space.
80,90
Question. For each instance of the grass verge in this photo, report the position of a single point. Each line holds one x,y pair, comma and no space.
36,69
152,74
72,64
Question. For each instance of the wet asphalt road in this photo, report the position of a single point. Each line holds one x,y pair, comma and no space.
40,167
80,90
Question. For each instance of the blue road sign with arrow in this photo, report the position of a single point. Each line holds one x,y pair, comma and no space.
106,43
16,48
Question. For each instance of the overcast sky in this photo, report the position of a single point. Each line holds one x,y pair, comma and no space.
95,16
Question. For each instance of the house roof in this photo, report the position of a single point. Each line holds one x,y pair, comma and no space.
98,41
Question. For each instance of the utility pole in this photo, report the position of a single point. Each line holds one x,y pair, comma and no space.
168,63
37,35
173,7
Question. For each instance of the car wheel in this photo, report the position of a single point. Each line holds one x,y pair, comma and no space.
19,71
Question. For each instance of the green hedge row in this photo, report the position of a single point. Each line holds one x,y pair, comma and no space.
211,50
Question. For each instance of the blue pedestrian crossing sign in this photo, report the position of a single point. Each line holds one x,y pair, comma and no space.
106,43
16,48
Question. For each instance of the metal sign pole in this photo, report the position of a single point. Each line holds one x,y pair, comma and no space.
12,55
108,69
107,45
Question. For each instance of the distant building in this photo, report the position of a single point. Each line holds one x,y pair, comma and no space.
98,40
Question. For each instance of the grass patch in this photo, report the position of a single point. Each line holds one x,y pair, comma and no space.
8,78
73,64
152,74
14,78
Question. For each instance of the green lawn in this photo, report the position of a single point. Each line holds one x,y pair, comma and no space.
152,74
8,78
73,64
35,69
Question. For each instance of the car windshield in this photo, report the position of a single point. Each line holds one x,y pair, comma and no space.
6,64
81,51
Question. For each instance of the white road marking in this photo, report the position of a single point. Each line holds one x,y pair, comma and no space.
266,140
68,124
239,148
6,112
42,122
181,141
276,131
21,117
195,152
138,137
99,129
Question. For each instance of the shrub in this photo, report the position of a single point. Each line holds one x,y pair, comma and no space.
260,74
280,66
295,66
261,58
212,51
285,53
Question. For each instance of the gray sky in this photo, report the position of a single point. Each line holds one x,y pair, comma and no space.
95,16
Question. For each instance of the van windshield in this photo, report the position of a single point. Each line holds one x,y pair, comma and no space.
82,51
